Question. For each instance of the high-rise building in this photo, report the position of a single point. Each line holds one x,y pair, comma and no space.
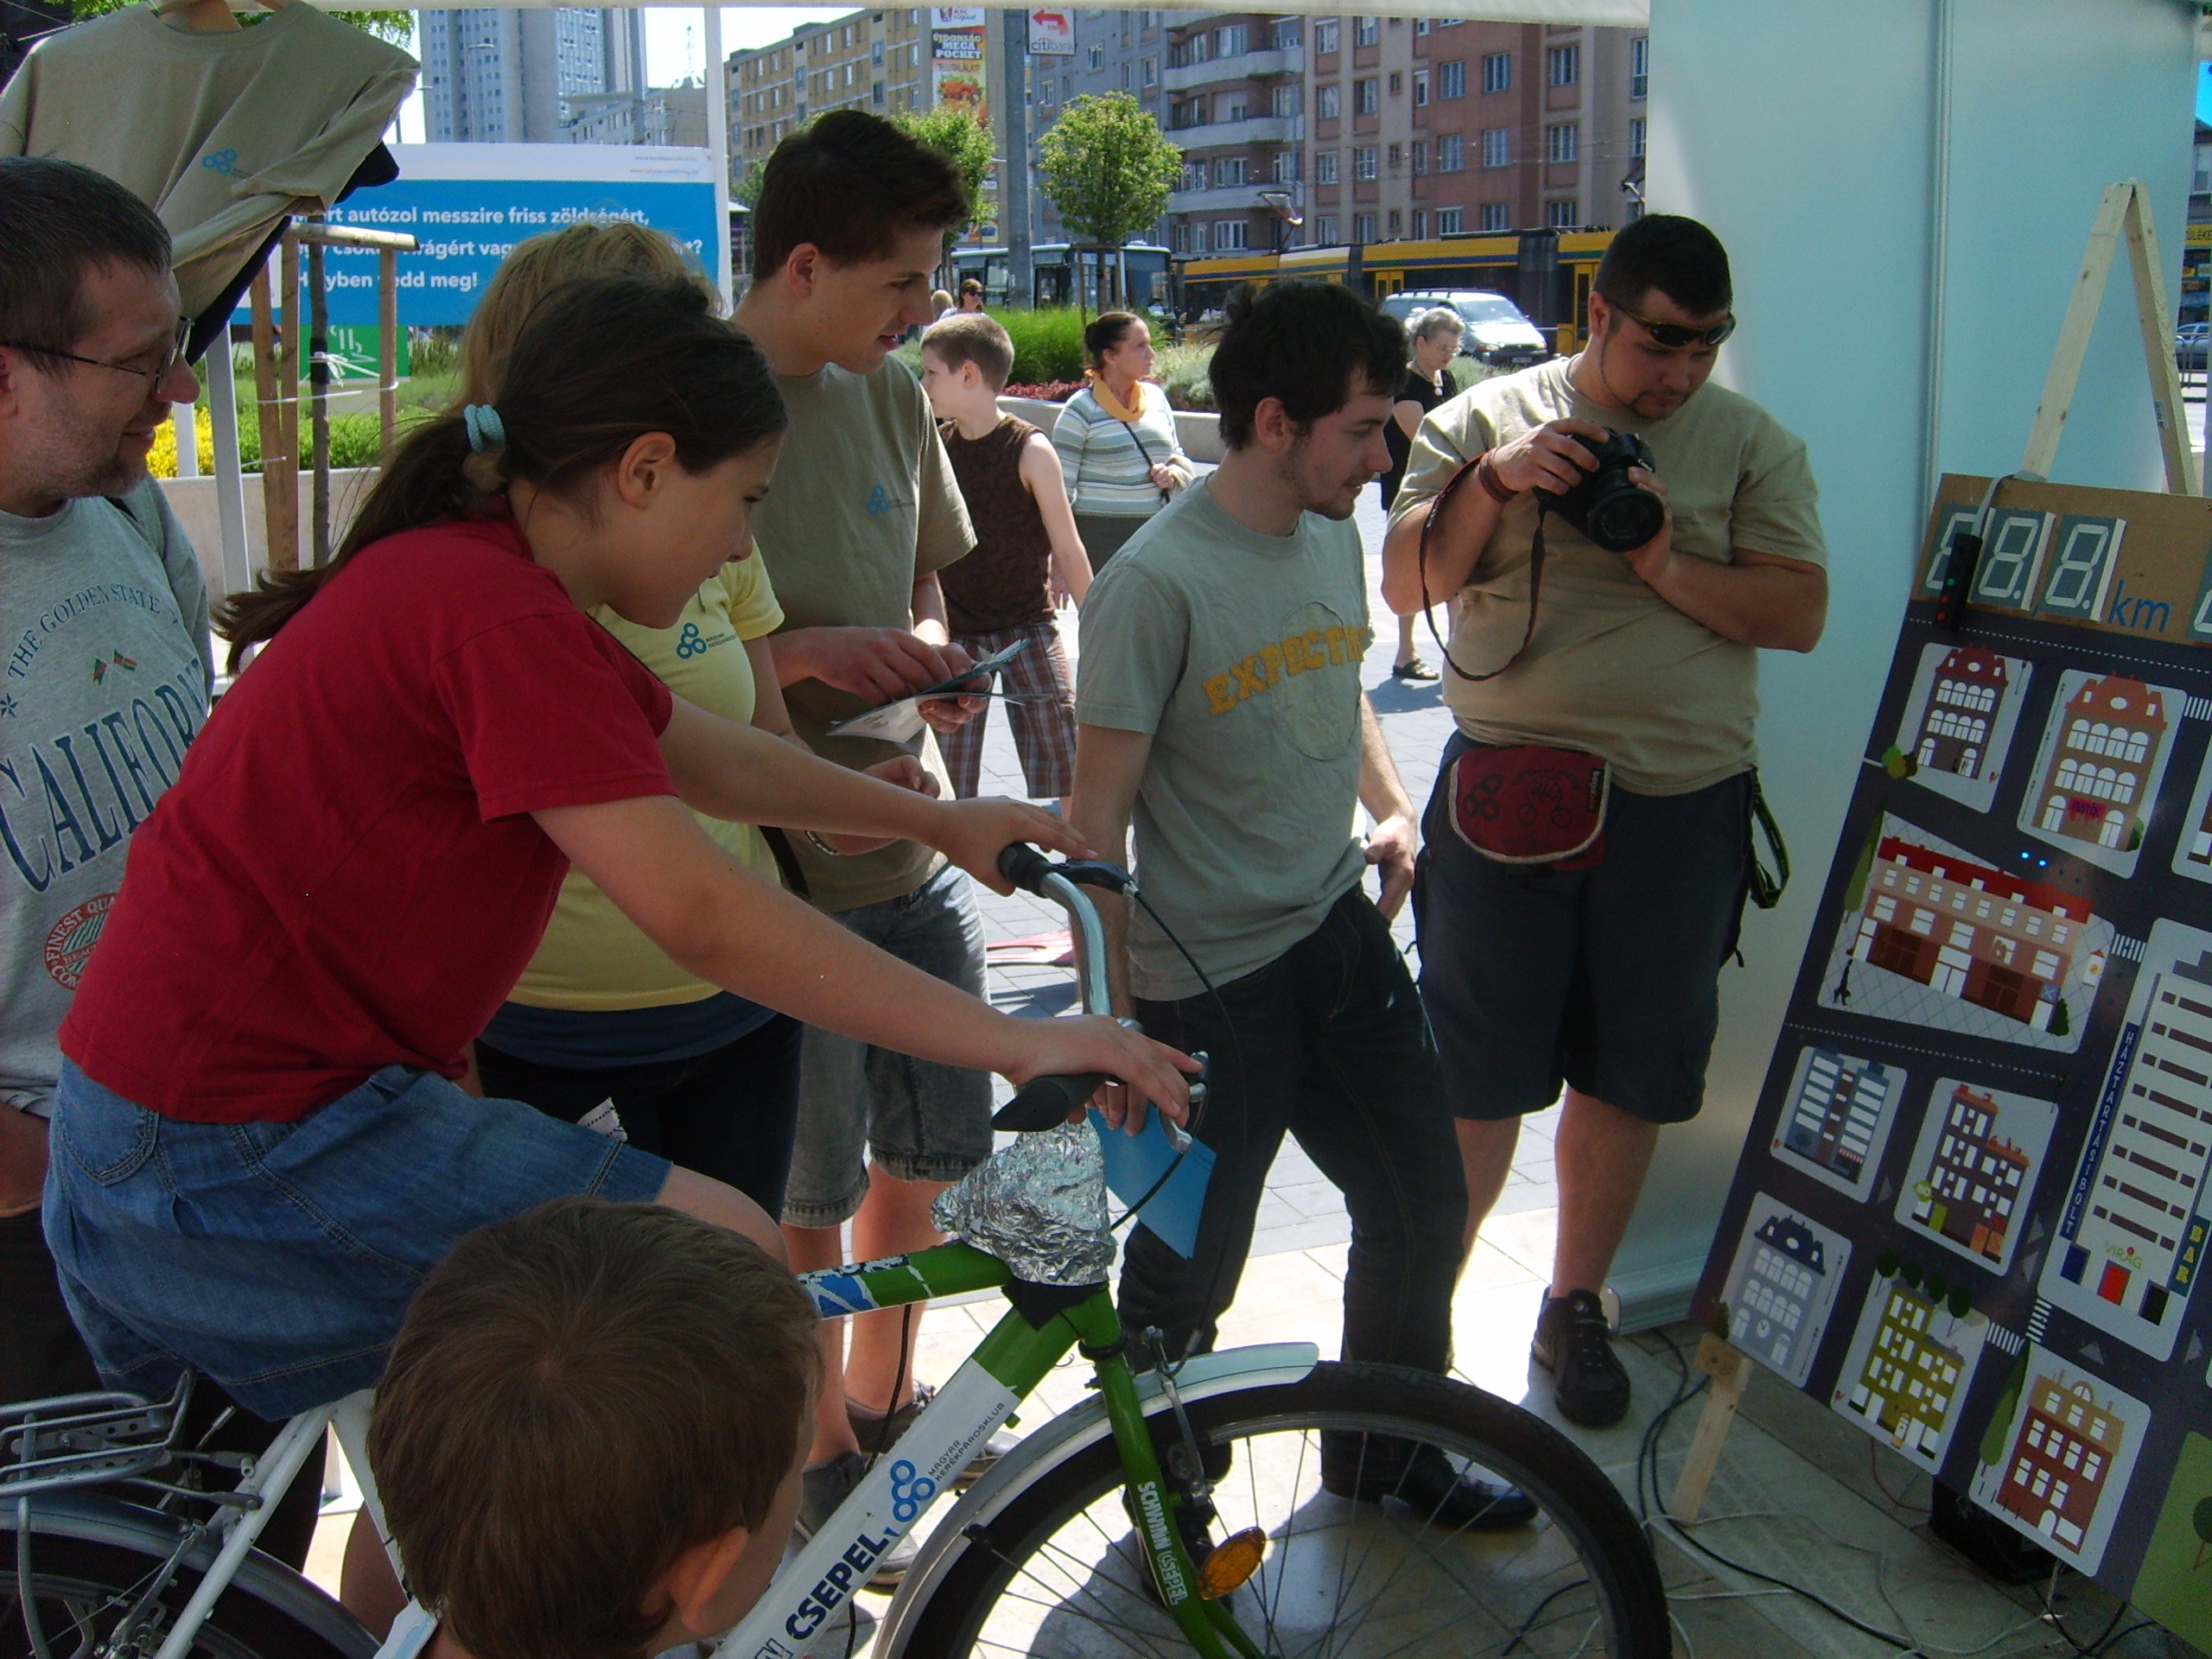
874,60
495,75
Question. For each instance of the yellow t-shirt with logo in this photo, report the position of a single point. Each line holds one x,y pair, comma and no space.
593,957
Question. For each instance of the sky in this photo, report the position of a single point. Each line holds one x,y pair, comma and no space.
675,45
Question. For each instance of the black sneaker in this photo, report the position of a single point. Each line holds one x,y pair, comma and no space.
821,1490
1575,1345
878,1434
1438,1495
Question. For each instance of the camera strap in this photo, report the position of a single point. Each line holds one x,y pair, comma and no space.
1535,578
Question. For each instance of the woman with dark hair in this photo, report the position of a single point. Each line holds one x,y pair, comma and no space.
1116,438
258,1150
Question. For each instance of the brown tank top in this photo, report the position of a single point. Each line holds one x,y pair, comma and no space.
1002,583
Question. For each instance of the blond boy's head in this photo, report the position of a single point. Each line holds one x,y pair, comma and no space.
587,1438
966,361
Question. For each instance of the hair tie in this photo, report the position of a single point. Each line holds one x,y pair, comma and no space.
485,429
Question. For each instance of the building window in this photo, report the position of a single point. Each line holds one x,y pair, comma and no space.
1421,157
1420,25
1397,222
1366,31
1635,137
1285,100
1452,78
1362,227
1497,147
1325,230
1150,71
1230,106
1228,172
876,53
1363,166
1325,167
1326,102
1198,238
1230,40
1498,71
1451,221
876,94
1229,235
1284,33
1421,223
1396,158
1194,176
1420,88
1562,215
1639,66
1366,98
1182,238
1097,57
1564,64
1496,216
1283,169
1397,83
1563,141
1324,35
1451,153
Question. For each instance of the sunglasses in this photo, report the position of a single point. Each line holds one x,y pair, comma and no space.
155,374
1675,336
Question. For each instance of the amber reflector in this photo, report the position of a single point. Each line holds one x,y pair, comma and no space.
1231,1561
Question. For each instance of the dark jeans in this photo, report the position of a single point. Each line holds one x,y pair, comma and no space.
730,1113
1328,1042
42,1354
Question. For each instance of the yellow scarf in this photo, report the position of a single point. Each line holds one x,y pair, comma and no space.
1112,404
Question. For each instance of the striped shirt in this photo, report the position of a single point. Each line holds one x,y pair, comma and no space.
1109,467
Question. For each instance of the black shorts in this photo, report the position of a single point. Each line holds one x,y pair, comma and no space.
1605,979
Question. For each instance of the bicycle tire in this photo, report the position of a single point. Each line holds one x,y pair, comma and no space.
78,1580
1624,1614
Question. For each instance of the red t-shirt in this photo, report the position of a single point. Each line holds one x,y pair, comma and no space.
345,876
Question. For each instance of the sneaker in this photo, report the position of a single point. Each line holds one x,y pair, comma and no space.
1437,1494
1575,1345
879,1434
821,1490
1413,669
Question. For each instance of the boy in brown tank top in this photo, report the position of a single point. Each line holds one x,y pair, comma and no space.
1028,555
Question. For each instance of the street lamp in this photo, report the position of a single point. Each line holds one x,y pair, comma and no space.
1284,206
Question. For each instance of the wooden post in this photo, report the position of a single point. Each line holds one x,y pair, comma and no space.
280,531
2157,323
387,346
1730,1371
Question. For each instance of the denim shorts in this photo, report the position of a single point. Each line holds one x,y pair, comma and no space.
1606,979
919,1121
280,1258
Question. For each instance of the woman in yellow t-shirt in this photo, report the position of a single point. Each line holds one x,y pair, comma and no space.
694,1074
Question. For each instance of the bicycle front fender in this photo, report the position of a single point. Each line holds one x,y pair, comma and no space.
1264,1365
96,1518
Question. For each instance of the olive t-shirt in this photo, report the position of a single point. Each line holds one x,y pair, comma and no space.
1240,653
863,503
1614,670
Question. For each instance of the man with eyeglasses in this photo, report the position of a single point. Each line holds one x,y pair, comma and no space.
1591,963
105,662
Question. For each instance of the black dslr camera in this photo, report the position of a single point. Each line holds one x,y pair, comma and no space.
1619,515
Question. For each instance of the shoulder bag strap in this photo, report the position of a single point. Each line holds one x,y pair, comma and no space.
1535,579
1137,438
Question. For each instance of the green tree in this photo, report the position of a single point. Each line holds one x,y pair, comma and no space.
1107,168
397,26
966,138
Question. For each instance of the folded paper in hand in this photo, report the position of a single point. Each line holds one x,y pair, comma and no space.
900,721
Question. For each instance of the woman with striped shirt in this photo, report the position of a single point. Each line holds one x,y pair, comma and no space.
1116,438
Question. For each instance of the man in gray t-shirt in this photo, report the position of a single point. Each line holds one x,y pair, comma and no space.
104,657
1219,707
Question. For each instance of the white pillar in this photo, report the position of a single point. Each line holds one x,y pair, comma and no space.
1904,187
230,479
184,418
718,141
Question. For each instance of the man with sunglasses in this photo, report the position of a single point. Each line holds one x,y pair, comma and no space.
1594,967
104,663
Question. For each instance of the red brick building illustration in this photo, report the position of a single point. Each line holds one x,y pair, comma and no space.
2095,787
1970,931
1962,710
2059,1460
1910,1379
1837,1110
1975,1179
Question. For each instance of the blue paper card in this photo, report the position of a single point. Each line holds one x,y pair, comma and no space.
1135,1162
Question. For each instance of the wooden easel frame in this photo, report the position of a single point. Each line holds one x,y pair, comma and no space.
2123,214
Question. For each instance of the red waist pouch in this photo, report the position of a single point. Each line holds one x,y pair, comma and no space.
1531,805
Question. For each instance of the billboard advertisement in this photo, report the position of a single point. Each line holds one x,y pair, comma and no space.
1052,34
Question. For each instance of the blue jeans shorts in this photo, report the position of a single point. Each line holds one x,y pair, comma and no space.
280,1258
919,1121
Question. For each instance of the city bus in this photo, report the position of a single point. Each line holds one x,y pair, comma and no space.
1062,274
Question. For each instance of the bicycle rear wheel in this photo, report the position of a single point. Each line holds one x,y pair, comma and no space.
1059,1574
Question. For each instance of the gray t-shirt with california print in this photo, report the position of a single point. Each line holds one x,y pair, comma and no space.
1240,653
105,669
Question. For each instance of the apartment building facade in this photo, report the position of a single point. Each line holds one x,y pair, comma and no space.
872,60
1115,52
500,75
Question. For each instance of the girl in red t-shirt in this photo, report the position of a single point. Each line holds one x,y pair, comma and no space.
257,1149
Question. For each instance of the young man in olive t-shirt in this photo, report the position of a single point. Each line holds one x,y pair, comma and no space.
1602,977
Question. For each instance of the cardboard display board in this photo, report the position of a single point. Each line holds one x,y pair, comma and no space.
1971,1215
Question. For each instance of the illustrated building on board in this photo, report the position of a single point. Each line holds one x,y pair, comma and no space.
1910,1380
1962,710
2130,1229
2064,1449
1970,931
1780,1290
1837,1110
1975,1178
2092,789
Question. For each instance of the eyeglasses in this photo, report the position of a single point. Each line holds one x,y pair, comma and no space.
1675,336
154,376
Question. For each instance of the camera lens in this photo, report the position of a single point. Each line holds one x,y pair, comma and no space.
1626,519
